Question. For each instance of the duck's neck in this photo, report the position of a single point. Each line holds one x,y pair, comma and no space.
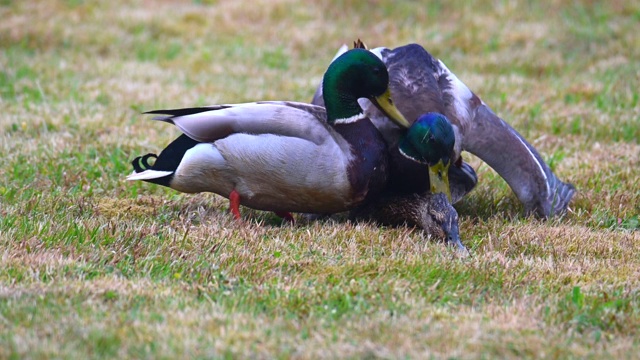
341,104
368,169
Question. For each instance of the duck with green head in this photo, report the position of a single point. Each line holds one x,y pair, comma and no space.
420,84
428,144
284,156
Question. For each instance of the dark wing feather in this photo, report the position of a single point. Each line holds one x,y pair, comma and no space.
171,113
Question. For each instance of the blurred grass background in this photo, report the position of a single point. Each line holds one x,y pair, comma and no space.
92,266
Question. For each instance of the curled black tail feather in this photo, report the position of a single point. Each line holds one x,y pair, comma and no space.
141,163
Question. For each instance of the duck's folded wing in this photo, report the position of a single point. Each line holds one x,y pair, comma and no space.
211,123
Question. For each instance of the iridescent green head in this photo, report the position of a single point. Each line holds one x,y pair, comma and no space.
357,73
430,140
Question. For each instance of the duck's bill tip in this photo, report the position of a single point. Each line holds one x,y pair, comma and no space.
452,237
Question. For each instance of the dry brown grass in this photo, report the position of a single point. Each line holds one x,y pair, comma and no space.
91,266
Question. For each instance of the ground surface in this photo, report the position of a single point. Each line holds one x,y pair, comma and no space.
93,266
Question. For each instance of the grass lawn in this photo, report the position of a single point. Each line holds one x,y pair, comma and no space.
92,266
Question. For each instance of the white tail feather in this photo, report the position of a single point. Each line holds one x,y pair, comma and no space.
148,175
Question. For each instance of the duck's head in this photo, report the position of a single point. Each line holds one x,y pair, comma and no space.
430,140
438,217
358,73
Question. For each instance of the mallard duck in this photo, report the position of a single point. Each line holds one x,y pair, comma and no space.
429,142
431,212
283,156
421,83
433,149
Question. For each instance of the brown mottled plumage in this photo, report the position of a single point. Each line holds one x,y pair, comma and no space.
431,212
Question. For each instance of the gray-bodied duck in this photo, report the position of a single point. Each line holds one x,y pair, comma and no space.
284,156
421,83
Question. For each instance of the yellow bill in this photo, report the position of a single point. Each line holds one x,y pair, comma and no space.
385,104
439,179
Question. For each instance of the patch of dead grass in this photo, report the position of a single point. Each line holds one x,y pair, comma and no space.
129,270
